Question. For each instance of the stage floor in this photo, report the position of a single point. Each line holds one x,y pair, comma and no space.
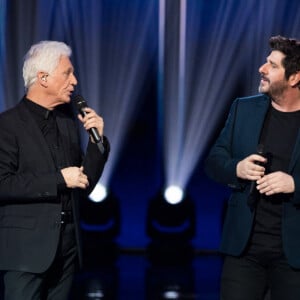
133,276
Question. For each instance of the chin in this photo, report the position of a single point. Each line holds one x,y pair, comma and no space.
263,90
67,99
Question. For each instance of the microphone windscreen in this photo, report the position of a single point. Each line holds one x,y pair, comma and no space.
80,102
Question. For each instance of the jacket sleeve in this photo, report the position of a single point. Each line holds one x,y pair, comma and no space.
295,197
94,162
220,164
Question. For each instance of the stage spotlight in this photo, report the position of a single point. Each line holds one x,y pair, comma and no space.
102,214
173,194
100,222
171,228
167,220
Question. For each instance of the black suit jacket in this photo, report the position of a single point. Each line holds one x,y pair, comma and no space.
238,139
29,206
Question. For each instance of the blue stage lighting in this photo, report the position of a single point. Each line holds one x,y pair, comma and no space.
115,77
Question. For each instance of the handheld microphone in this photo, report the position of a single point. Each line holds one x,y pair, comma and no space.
253,193
81,104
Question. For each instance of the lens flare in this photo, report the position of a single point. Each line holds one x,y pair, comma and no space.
173,194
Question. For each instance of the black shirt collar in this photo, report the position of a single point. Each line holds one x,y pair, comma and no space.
38,111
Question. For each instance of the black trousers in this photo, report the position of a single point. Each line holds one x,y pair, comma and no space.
249,278
55,283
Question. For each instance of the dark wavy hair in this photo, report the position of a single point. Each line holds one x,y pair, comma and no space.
291,49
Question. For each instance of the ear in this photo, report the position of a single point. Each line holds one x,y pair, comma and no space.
42,78
294,79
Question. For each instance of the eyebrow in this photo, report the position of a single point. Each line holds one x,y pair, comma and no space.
70,70
272,61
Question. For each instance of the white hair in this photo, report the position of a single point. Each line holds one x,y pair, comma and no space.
43,57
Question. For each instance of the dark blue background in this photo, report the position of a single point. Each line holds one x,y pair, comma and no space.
235,32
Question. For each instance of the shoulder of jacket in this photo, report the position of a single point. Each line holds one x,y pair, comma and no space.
15,113
259,97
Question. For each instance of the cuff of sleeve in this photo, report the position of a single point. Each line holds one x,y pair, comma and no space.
105,143
61,184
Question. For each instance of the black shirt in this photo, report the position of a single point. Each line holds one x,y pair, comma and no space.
46,120
278,136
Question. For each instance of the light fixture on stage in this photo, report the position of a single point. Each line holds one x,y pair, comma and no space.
170,226
169,218
100,221
101,213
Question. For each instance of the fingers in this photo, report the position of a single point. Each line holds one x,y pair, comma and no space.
255,172
92,120
250,168
274,183
268,188
257,159
83,181
75,178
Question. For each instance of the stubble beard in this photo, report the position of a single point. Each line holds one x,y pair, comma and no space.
274,90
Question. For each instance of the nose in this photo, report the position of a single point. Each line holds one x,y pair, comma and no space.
262,69
74,79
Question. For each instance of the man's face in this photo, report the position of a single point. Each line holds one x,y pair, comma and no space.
273,81
61,81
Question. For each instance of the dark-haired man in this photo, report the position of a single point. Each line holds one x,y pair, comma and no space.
261,234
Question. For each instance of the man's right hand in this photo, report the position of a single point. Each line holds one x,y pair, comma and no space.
250,167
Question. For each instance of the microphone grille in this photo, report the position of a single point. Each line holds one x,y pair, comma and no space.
79,101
